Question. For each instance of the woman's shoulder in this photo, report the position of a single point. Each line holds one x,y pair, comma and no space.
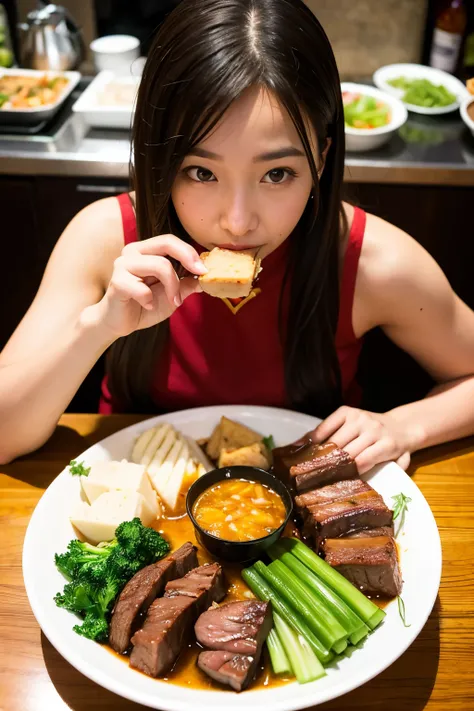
97,231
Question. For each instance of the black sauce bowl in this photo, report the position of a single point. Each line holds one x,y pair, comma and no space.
237,551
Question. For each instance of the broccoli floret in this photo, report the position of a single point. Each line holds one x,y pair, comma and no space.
95,628
78,554
97,574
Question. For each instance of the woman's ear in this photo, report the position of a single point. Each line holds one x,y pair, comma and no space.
322,159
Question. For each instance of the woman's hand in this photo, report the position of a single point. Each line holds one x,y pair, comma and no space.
368,437
144,288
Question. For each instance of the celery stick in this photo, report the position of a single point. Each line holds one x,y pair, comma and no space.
314,613
362,606
355,628
280,662
263,591
305,663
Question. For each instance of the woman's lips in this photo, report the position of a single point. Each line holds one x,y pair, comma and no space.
238,247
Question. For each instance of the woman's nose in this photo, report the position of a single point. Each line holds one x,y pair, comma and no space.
238,215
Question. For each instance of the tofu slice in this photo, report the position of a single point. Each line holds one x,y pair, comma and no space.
119,476
98,521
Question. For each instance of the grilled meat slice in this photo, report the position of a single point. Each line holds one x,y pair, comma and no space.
204,584
369,563
305,465
365,510
170,619
238,627
235,670
142,589
339,491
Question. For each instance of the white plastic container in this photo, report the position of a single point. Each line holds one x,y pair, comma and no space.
93,106
115,53
359,140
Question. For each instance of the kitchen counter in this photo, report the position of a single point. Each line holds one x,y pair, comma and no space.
426,151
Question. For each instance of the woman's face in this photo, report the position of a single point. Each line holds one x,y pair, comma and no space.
246,185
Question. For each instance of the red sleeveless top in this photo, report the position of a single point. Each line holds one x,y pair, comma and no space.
220,352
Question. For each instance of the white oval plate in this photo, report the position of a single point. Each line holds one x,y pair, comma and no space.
419,71
49,532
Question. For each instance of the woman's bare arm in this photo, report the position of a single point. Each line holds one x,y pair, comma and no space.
59,339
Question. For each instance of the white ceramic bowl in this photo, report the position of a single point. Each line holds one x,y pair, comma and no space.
115,53
465,116
367,139
418,71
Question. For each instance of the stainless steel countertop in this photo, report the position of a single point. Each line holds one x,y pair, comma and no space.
427,151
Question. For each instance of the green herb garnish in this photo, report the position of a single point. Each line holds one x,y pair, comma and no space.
78,469
400,508
401,611
269,442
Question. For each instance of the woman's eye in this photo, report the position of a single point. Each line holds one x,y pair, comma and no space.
278,175
200,175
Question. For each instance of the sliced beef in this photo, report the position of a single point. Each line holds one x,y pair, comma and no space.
369,563
235,670
306,465
170,619
366,510
142,589
204,585
236,632
333,492
372,532
239,627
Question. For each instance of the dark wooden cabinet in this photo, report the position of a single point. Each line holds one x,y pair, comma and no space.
34,213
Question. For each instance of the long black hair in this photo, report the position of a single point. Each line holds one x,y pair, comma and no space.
206,54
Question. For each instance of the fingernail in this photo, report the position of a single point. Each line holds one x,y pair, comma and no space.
199,267
178,301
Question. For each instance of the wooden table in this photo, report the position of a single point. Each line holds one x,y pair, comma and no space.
436,673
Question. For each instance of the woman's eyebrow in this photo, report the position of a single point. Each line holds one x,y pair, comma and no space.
285,152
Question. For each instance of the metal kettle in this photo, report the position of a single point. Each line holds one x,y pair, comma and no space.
50,39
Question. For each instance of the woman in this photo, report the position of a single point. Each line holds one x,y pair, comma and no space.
239,142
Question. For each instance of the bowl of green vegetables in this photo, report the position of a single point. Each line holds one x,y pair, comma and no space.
371,116
423,90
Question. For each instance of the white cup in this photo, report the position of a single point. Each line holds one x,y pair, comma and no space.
115,53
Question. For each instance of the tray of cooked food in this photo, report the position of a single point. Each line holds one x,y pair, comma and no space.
231,560
28,96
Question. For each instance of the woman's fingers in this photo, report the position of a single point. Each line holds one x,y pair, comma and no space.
188,286
169,246
127,286
158,268
370,456
330,425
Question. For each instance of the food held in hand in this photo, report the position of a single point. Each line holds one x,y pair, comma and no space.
239,510
230,273
422,92
363,111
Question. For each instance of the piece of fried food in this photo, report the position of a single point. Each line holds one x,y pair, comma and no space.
470,85
254,455
230,274
230,435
